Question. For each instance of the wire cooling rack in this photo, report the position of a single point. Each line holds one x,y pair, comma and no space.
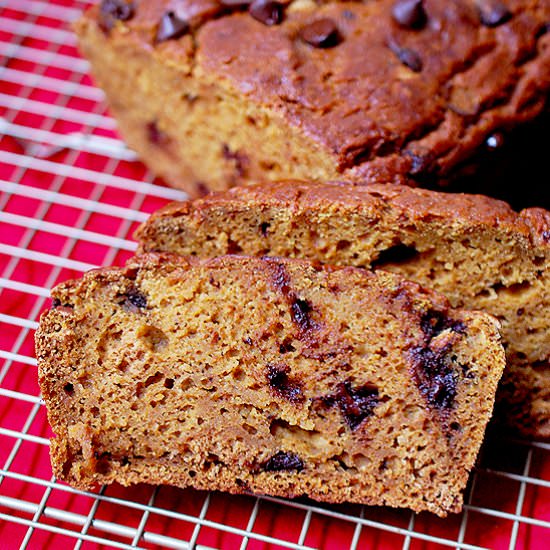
71,194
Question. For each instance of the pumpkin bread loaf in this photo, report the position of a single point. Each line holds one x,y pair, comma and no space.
273,376
217,93
474,250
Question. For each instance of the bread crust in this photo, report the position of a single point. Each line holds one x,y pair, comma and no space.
268,105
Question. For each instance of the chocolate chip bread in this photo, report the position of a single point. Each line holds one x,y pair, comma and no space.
474,250
216,93
267,375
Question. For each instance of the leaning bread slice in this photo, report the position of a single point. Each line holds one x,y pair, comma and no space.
267,375
476,251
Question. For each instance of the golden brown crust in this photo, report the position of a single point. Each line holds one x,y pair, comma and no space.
355,106
412,203
267,375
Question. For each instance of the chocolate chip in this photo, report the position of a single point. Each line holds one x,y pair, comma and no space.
355,404
420,163
409,14
280,279
322,33
111,11
282,384
240,159
56,303
242,484
283,461
201,188
409,58
264,226
300,310
434,322
133,300
286,347
495,141
171,27
136,298
68,388
267,12
543,29
493,13
155,135
435,377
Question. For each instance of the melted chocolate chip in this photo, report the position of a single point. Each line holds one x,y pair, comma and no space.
286,347
281,383
264,226
420,164
111,11
242,484
240,159
300,310
133,300
435,377
267,12
171,27
322,33
56,303
355,404
280,279
409,14
493,13
136,298
155,135
409,58
434,322
283,461
201,188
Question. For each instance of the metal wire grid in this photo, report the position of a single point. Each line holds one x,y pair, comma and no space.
71,194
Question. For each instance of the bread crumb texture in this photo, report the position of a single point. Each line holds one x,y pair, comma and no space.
475,250
271,376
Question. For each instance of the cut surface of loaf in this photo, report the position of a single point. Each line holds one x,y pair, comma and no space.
327,90
267,375
474,250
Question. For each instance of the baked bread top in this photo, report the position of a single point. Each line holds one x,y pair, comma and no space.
400,202
388,89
